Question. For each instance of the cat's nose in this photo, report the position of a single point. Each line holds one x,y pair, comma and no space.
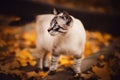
48,30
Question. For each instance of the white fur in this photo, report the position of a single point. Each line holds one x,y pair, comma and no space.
72,43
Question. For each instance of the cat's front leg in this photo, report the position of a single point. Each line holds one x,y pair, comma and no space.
54,63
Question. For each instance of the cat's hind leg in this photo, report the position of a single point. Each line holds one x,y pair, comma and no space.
77,67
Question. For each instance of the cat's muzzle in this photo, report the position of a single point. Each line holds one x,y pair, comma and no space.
52,32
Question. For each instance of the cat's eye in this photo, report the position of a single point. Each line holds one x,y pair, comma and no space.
56,28
62,17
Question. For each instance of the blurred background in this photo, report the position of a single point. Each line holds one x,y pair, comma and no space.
103,15
101,19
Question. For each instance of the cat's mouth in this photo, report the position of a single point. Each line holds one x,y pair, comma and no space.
56,31
53,33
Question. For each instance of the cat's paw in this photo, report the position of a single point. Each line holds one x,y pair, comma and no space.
45,69
78,77
51,72
37,70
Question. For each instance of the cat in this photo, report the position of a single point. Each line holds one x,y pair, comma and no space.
59,33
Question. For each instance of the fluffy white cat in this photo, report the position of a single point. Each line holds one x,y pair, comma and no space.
59,33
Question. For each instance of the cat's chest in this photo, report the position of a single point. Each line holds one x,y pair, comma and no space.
65,46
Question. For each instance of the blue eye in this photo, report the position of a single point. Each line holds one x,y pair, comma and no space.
56,28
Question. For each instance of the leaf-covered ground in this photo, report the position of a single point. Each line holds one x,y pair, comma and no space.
17,44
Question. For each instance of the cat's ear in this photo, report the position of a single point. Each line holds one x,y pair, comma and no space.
65,13
67,17
55,11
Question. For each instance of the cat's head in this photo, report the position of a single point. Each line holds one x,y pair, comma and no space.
60,24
